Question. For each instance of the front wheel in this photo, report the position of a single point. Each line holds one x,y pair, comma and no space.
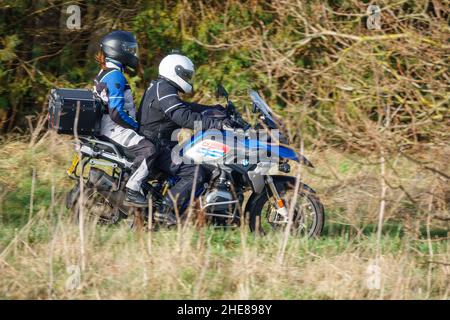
307,211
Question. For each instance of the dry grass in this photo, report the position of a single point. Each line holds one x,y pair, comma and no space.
212,264
39,258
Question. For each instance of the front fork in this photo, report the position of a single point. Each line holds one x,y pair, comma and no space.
279,203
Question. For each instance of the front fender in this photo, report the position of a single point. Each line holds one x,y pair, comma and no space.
278,180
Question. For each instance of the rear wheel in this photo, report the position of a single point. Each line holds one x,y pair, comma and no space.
308,212
95,207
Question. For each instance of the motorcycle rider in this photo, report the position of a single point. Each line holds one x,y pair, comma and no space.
161,112
119,52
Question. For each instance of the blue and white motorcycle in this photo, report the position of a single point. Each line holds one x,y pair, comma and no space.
247,177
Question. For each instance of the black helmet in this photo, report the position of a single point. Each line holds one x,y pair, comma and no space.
121,46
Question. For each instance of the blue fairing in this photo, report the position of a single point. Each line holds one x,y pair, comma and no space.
276,150
288,153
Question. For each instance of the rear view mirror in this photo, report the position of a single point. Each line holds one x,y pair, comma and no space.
221,92
255,108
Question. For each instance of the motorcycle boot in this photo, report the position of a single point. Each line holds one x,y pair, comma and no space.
135,199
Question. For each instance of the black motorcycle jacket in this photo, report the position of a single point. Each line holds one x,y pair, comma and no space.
162,111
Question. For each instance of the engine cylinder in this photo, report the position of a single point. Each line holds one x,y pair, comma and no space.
218,201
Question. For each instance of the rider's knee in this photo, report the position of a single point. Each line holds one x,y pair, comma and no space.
148,147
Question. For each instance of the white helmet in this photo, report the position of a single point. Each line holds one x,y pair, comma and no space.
179,69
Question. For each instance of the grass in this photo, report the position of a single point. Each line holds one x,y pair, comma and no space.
213,264
40,254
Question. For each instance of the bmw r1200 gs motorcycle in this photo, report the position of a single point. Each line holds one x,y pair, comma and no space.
235,167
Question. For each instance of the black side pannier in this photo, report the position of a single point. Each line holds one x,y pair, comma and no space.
62,109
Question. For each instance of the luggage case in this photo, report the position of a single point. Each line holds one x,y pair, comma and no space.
62,111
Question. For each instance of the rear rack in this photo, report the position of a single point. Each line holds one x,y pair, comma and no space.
115,156
106,151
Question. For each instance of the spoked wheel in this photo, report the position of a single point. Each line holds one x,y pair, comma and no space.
307,211
96,208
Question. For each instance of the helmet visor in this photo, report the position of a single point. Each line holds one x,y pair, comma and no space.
184,74
130,47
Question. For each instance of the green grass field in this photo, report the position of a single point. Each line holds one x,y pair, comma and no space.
41,256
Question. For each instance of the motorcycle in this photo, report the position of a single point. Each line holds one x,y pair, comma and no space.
239,165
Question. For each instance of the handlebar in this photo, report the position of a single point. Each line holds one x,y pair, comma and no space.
236,117
242,123
258,105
